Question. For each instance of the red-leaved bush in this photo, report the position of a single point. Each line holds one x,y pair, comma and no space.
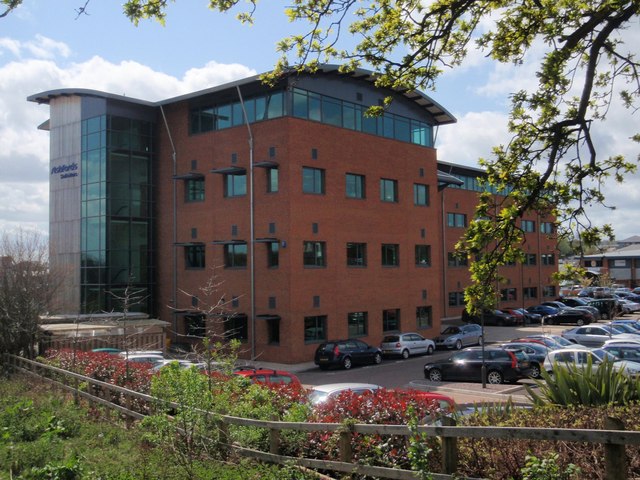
385,407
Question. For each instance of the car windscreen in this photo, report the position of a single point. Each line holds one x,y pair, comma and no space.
451,331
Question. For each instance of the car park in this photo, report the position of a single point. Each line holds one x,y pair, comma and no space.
457,337
346,353
321,393
635,324
268,376
594,335
500,365
582,358
406,344
536,353
627,306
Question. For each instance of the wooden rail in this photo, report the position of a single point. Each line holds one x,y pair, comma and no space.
614,438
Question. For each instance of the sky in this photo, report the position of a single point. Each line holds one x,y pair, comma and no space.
46,45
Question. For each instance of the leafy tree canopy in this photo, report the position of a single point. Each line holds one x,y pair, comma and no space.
551,164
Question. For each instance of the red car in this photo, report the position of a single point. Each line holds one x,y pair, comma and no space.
268,376
444,402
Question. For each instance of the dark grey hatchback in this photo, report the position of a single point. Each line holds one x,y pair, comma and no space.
466,365
346,353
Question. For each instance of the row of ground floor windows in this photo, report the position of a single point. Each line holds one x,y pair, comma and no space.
314,254
316,328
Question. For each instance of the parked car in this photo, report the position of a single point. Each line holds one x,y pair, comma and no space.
624,351
406,344
627,306
581,357
459,336
491,317
617,341
594,335
154,357
322,393
609,308
444,402
268,376
569,315
346,353
501,366
536,353
528,317
635,324
559,340
581,303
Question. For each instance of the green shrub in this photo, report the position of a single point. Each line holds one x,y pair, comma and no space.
548,469
587,385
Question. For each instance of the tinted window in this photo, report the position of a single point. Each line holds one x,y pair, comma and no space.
390,338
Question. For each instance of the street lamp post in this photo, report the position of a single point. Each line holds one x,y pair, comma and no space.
252,271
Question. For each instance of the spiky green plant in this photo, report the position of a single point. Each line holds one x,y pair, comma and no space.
588,385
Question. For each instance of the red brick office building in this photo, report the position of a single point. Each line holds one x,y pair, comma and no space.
313,220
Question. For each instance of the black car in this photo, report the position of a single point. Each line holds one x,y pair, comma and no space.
535,351
501,366
573,316
491,317
346,353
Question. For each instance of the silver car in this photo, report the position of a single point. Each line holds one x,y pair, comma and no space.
459,336
595,335
581,357
405,344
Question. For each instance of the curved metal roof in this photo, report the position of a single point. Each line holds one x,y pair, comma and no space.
439,113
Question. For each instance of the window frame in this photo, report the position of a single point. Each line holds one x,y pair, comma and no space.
421,310
385,250
319,326
317,180
391,315
352,261
358,186
318,246
232,258
389,185
359,320
419,257
417,201
194,190
195,257
231,186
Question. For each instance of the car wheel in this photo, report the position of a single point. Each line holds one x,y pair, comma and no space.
580,322
430,350
377,358
346,363
494,377
435,375
605,316
535,371
459,345
405,353
480,340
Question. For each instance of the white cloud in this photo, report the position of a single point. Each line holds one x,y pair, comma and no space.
473,137
39,66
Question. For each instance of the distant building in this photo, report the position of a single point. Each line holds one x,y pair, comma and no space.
318,221
621,265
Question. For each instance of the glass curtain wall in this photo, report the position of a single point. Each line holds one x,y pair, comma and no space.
117,220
